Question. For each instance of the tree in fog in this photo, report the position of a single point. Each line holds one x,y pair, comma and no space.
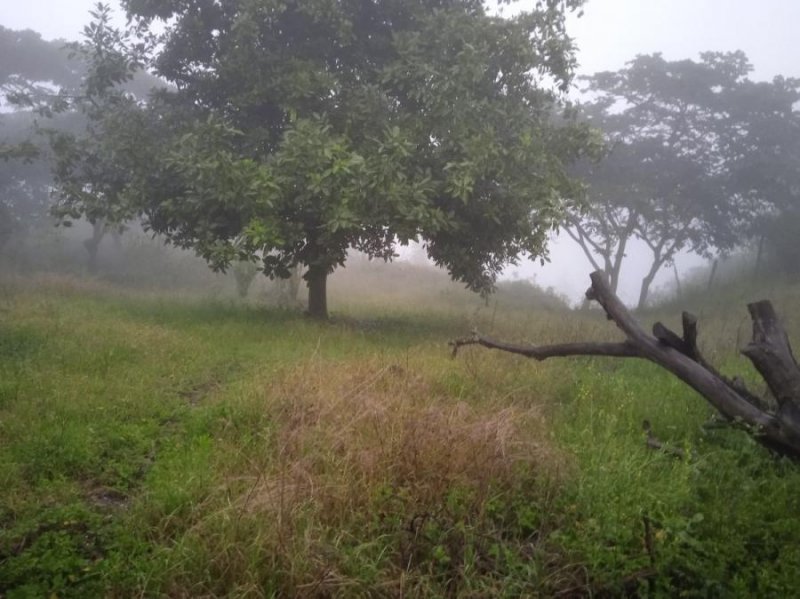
91,166
680,133
30,70
24,178
33,69
297,130
92,160
766,172
72,93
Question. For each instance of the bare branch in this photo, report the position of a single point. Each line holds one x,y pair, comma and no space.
581,241
612,350
688,347
654,443
681,357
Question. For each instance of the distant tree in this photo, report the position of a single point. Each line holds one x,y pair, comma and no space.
74,93
680,133
299,129
34,69
31,69
765,174
244,272
91,163
24,177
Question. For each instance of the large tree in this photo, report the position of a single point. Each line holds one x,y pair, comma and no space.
297,130
681,134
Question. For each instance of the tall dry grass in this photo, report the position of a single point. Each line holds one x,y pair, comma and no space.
369,480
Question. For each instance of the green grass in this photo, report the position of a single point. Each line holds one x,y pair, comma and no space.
155,446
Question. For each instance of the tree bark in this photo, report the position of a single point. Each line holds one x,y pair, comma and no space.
769,351
317,281
712,274
93,244
6,226
678,286
623,244
644,291
759,258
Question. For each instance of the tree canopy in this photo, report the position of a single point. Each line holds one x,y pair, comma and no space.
296,130
65,90
694,150
31,68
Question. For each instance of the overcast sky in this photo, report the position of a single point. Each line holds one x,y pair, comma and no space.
610,33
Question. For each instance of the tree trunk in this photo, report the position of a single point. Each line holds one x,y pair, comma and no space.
93,244
116,237
774,422
713,273
678,286
759,258
617,267
317,280
6,226
613,277
646,282
294,284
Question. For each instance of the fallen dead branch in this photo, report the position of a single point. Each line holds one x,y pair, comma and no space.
774,421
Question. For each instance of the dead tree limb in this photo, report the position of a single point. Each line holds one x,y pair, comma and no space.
654,442
615,350
769,351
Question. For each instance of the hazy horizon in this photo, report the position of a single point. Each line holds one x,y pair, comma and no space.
610,33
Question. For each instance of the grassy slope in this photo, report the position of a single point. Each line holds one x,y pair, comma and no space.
152,446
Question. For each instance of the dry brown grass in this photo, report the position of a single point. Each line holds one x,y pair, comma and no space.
368,452
343,430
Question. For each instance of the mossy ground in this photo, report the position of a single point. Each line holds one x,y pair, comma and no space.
162,446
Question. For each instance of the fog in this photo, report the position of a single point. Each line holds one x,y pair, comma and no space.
608,34
611,32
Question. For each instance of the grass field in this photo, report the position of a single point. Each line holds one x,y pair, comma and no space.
155,445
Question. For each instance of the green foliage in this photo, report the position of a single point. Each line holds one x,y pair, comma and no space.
60,88
297,130
699,155
764,174
25,179
651,523
31,66
91,167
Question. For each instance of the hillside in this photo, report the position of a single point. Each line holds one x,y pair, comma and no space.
159,445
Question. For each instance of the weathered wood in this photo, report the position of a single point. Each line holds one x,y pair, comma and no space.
613,350
687,345
769,351
771,354
654,442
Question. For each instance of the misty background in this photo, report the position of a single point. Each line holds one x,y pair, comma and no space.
609,33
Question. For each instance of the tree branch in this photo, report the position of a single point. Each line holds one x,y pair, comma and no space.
681,357
613,350
580,240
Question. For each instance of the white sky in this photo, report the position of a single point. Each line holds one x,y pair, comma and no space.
610,33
